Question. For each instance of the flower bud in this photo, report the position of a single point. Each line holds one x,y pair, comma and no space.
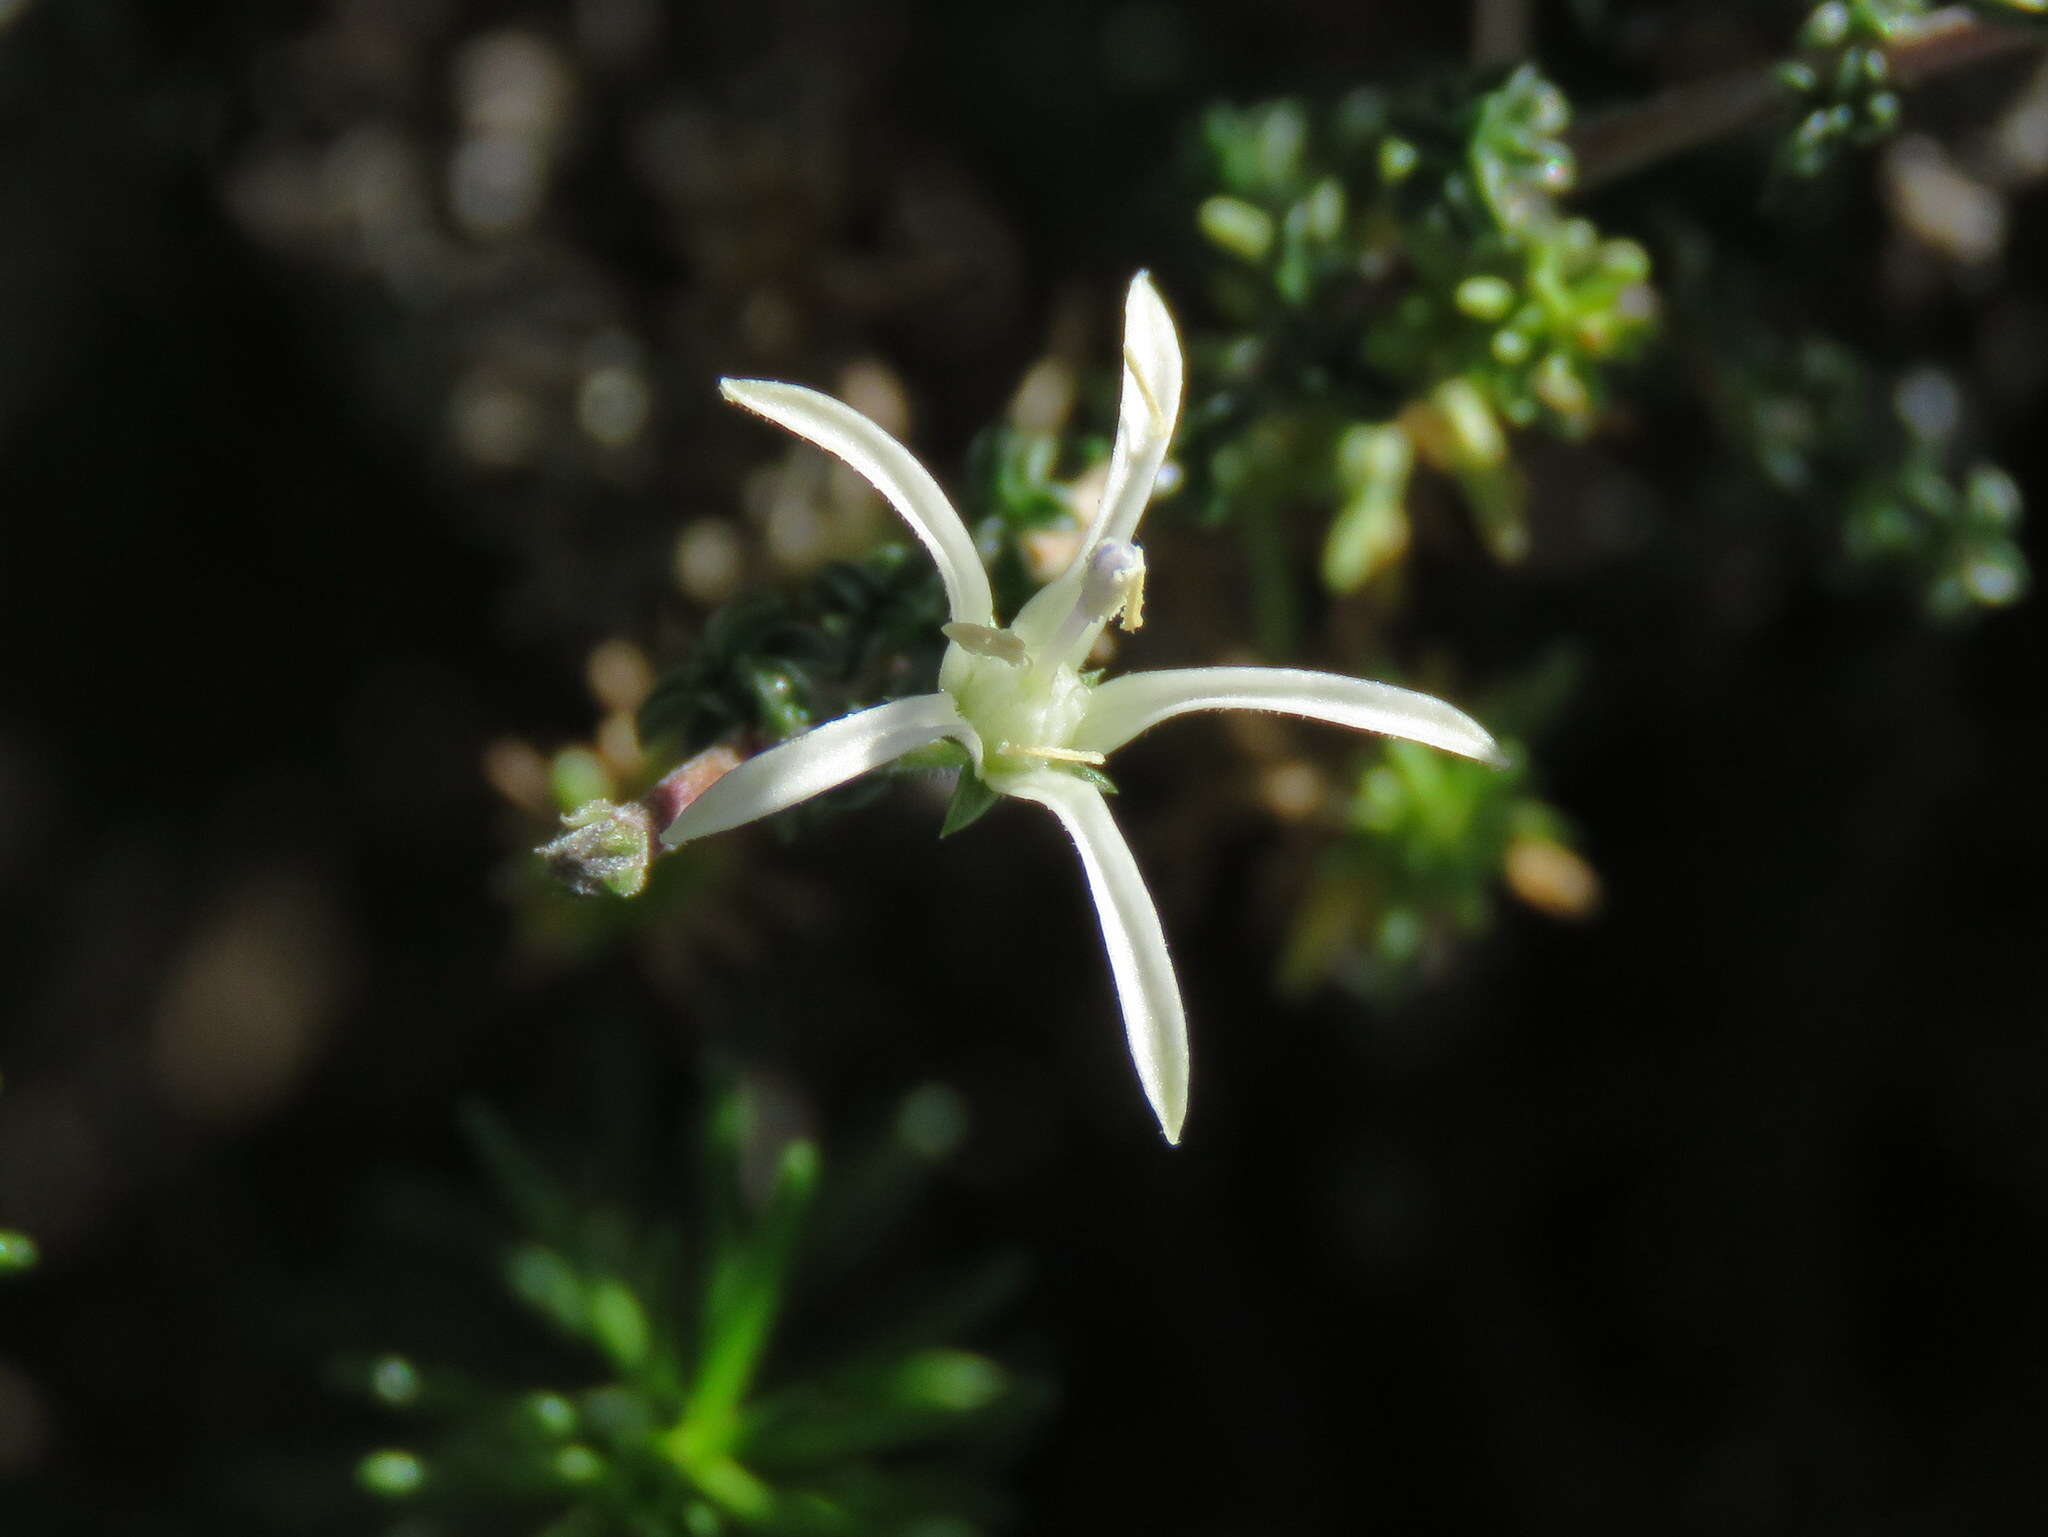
605,848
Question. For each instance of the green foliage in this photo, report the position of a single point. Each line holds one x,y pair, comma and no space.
1957,534
1020,484
1843,81
770,664
1453,301
1014,474
1509,294
1881,466
18,1251
681,1417
1429,841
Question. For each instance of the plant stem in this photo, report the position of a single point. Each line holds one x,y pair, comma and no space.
1618,143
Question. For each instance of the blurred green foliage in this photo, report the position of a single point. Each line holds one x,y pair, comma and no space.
1404,283
1426,845
1842,81
17,1251
1880,466
771,664
683,1418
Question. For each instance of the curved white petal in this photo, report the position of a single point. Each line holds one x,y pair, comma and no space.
1146,414
818,761
1123,707
1145,985
891,469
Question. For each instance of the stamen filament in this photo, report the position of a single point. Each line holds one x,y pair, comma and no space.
1055,754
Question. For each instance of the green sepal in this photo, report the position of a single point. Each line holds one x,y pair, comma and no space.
1093,775
971,801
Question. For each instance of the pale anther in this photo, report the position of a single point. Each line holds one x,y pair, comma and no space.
1133,614
984,640
1115,584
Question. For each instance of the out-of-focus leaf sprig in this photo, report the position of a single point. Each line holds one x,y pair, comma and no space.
1884,462
771,664
1843,81
683,1417
1406,285
1425,850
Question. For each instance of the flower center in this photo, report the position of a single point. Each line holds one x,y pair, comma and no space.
1026,702
1024,714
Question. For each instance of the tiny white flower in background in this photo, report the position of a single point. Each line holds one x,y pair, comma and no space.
1015,699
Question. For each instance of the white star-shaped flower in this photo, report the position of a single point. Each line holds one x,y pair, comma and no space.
1015,698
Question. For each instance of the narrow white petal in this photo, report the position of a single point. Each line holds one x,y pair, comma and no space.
1145,985
818,761
1146,414
891,469
1123,707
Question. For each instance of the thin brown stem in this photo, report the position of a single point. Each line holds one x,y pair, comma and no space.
1618,143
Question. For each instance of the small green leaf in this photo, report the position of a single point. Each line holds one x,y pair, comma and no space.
577,777
17,1251
743,1296
393,1380
971,801
391,1474
947,1381
578,1464
1243,229
619,1325
550,1413
547,1283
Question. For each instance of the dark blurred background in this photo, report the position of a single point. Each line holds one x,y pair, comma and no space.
358,432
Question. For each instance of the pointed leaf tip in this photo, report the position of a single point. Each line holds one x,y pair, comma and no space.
972,800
